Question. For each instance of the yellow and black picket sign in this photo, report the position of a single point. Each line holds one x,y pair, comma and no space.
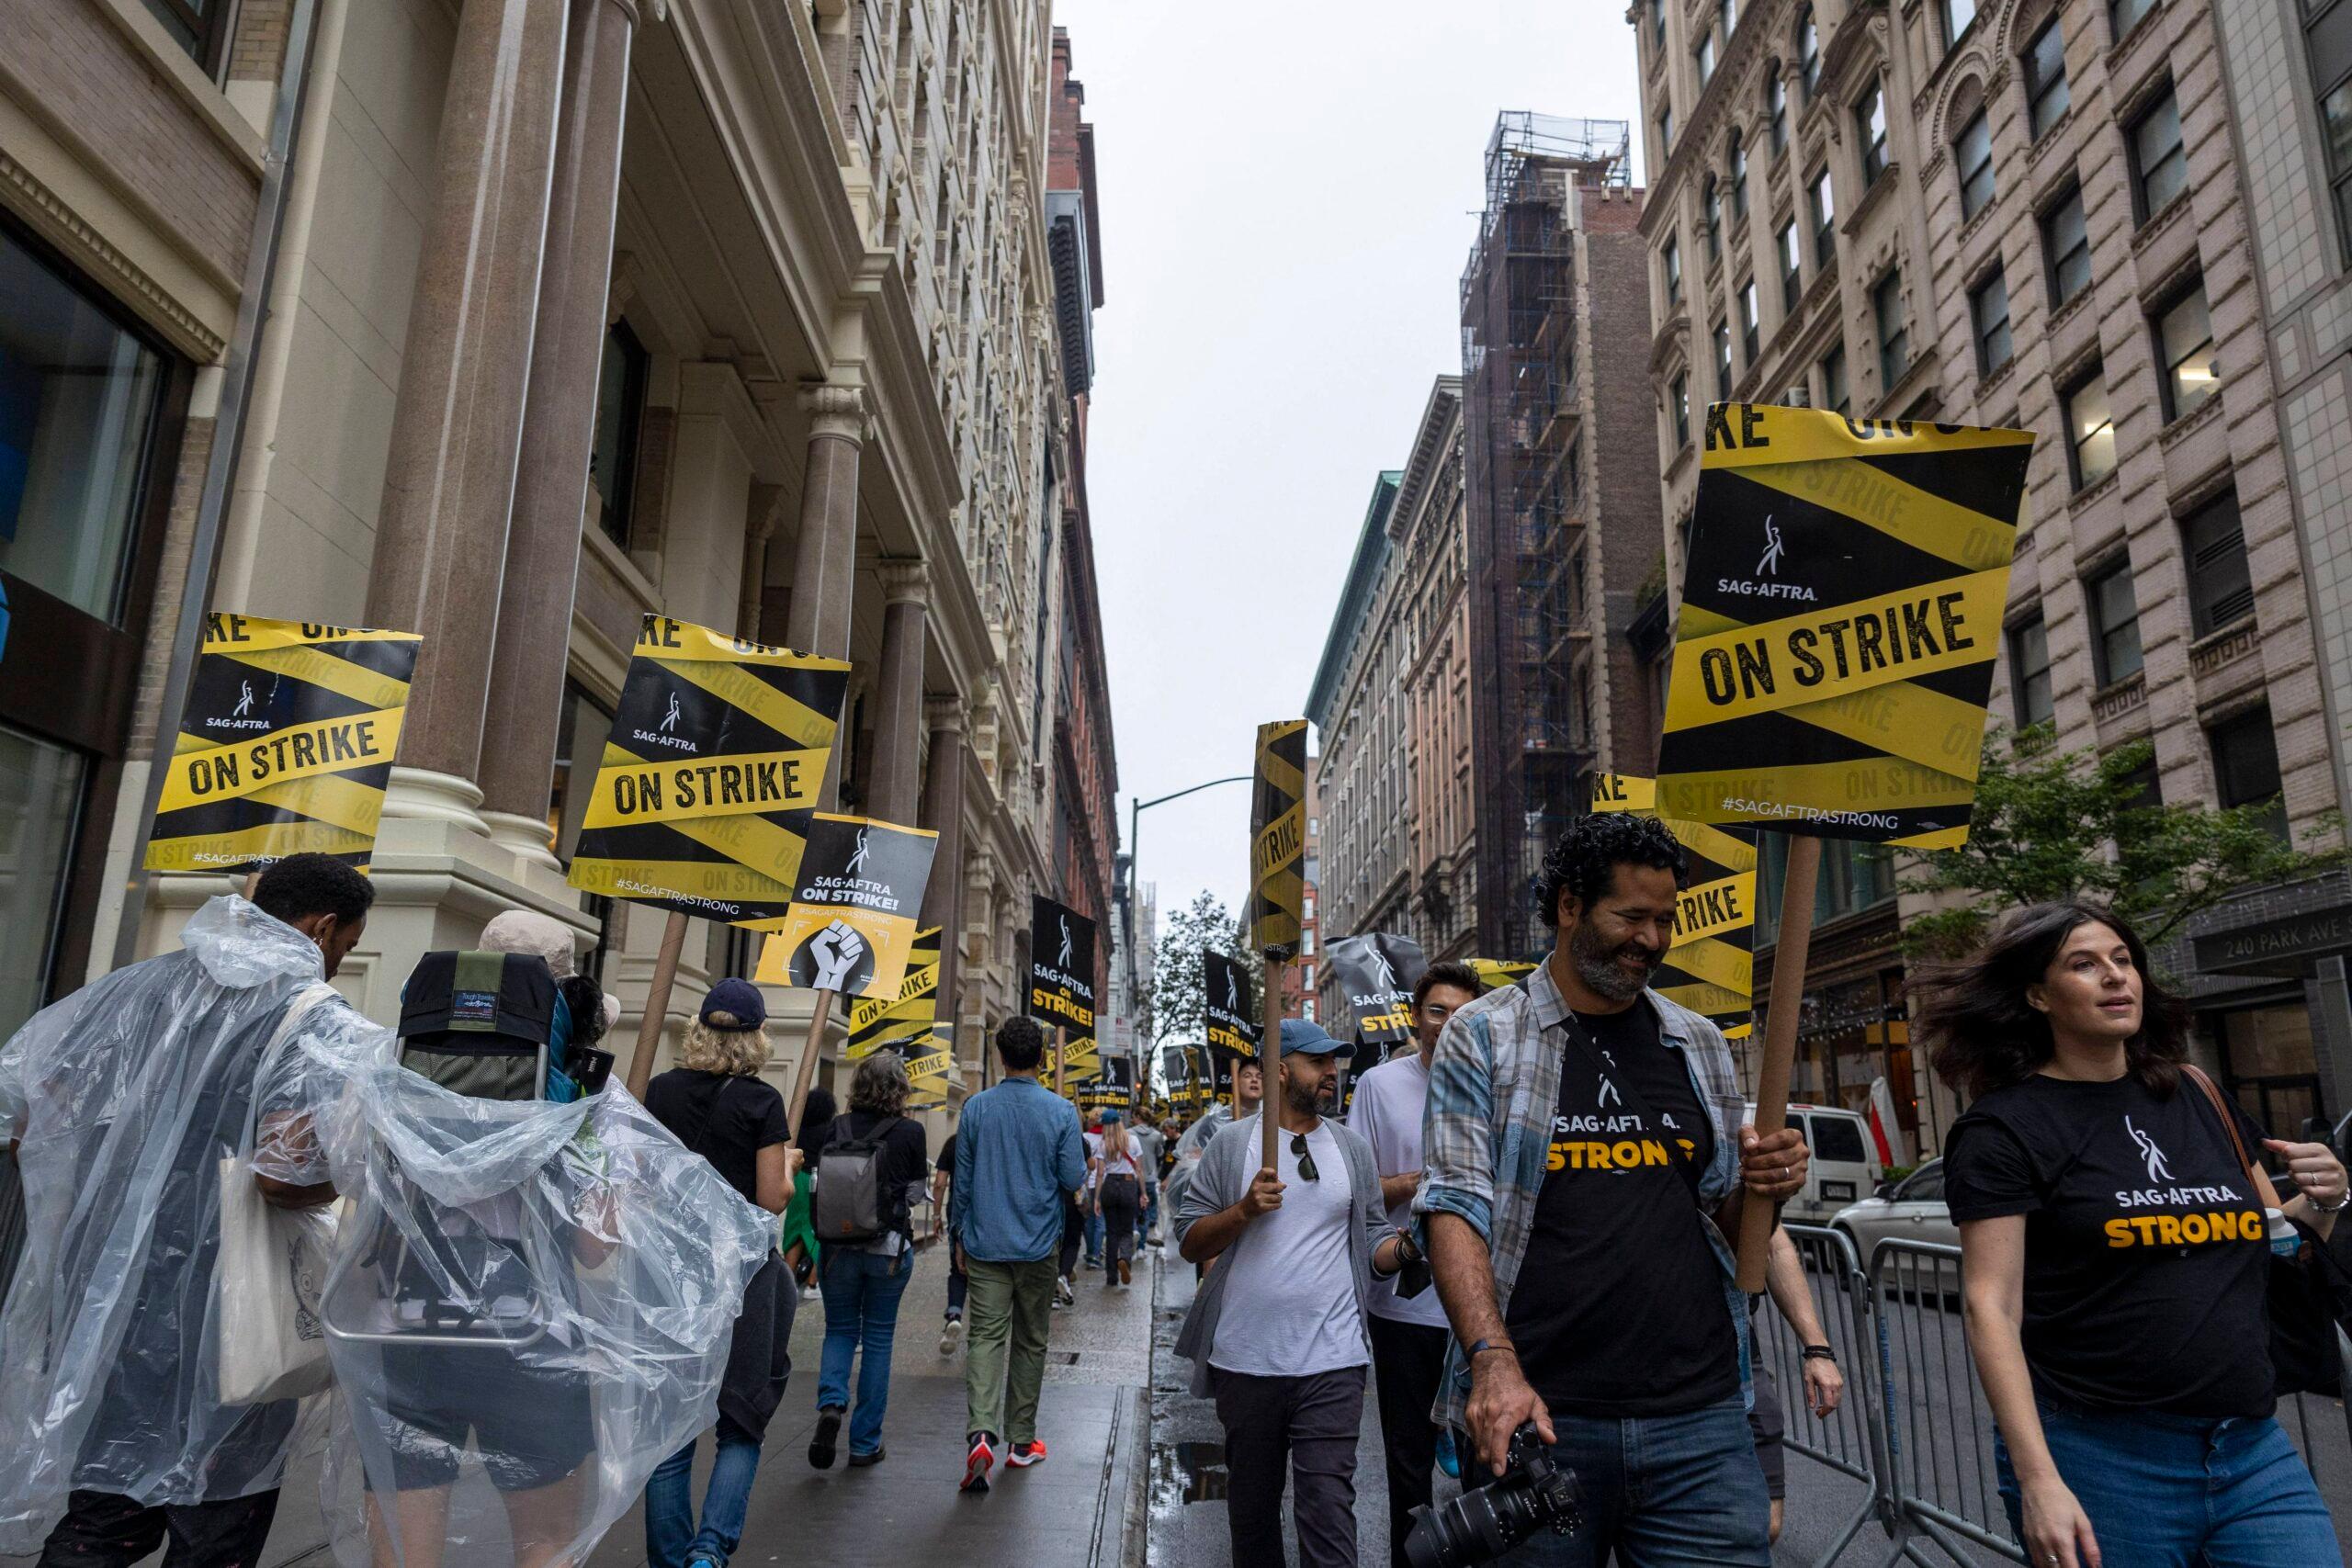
1081,1058
710,774
286,746
1278,838
1841,613
1061,967
1494,973
889,1022
1709,968
850,928
928,1058
1226,1012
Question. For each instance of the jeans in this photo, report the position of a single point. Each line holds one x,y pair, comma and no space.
1407,1361
862,1292
669,1534
1309,1427
1660,1491
1151,1207
958,1282
2173,1491
1004,1346
102,1531
1094,1229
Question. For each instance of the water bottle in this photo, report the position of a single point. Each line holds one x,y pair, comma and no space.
2284,1237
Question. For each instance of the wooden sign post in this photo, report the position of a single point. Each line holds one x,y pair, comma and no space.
1780,1017
1269,1070
803,1077
657,1006
1277,897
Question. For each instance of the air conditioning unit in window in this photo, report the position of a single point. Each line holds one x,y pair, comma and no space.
1795,397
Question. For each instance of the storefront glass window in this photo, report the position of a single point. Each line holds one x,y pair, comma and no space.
40,801
77,406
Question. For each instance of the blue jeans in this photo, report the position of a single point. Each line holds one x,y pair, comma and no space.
1151,1207
1094,1230
2175,1491
669,1534
862,1292
1660,1491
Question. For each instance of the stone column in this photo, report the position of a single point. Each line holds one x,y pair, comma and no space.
456,428
942,896
825,554
559,434
898,691
979,905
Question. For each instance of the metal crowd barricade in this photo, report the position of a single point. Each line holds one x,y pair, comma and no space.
1850,1440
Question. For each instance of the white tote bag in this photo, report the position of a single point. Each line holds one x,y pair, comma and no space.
273,1263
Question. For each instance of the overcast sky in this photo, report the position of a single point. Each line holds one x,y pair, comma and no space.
1288,189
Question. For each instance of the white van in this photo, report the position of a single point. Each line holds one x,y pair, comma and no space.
1845,1162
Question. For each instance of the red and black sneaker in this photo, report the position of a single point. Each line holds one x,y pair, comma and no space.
978,1462
1024,1455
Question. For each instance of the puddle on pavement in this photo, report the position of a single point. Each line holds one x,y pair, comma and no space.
1190,1472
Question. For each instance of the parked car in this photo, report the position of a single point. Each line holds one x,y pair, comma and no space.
1909,1210
1845,1162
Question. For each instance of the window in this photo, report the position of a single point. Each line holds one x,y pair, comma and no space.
2245,764
194,26
1306,1004
1705,56
1869,119
1791,266
1837,1138
1657,25
1747,323
1306,947
2029,672
1738,178
1679,409
2159,162
1989,309
2220,587
2115,624
1973,156
1894,336
2124,15
1776,108
1728,13
1723,360
2045,79
2090,429
1670,264
1835,396
1824,218
1714,206
2066,243
620,404
1958,17
2327,40
2185,347
1666,131
1808,54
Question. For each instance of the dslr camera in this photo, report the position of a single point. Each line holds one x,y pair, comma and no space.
1480,1526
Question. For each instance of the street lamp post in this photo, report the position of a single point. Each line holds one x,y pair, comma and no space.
1135,808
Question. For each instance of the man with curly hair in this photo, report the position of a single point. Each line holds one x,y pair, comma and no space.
1585,1161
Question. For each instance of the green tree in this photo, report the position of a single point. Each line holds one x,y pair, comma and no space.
1178,987
2054,825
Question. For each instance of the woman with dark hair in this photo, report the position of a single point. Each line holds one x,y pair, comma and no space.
864,1276
2116,1257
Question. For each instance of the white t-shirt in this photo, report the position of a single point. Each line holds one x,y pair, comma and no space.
1094,1157
1290,1304
1388,1112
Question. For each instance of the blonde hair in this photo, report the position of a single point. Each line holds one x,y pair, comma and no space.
738,1052
1116,1144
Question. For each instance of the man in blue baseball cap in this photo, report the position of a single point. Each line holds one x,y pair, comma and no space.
1276,1331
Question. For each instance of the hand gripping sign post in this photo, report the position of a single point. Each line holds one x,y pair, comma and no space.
850,925
708,781
1709,968
285,747
1061,981
1277,889
1841,612
1377,975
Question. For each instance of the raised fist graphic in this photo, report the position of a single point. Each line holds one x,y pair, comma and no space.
836,950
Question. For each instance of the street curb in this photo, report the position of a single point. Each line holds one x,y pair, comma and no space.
1135,1539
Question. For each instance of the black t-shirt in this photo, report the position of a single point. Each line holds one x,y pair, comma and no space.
947,1158
1619,1309
2146,1267
726,1118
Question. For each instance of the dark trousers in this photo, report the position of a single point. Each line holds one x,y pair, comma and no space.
1122,1200
958,1282
1073,1235
102,1531
1408,1360
1308,1427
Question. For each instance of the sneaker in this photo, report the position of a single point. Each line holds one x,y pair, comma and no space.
820,1447
977,1463
859,1462
1024,1455
951,1335
704,1560
1094,1263
1126,1273
1064,1293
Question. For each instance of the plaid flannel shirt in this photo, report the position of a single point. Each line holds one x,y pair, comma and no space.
1486,1134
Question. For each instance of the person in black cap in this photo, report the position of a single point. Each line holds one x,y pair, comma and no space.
719,1107
1276,1332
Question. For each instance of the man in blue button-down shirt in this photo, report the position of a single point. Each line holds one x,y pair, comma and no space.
1018,1157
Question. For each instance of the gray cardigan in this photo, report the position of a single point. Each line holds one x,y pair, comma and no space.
1218,1183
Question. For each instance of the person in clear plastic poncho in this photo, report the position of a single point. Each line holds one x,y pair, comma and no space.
123,1100
531,1307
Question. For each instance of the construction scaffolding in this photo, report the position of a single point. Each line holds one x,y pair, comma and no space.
1532,722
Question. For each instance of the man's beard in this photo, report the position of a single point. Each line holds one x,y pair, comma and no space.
1305,1099
1599,968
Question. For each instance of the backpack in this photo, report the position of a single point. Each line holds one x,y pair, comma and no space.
482,1024
852,1202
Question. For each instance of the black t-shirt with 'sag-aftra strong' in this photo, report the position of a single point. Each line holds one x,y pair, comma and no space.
2146,1262
1619,1308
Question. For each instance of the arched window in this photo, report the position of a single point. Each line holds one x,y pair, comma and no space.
1739,177
1971,149
1776,107
1808,52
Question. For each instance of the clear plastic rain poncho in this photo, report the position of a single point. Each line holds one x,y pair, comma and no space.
530,1307
126,1099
